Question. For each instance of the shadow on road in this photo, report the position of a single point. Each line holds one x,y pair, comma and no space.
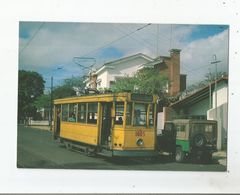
161,159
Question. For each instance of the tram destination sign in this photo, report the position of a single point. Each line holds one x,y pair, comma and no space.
141,97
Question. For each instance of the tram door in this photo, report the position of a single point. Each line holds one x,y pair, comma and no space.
57,122
106,123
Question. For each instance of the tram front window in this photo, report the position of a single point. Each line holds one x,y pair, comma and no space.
140,114
119,113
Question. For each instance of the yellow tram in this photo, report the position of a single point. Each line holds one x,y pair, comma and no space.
116,124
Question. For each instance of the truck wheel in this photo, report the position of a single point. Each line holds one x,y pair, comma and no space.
179,156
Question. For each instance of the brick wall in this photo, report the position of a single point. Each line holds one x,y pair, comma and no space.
174,72
169,114
171,67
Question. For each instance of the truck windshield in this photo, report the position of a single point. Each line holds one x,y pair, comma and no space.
203,127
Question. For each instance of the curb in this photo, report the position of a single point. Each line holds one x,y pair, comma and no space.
44,128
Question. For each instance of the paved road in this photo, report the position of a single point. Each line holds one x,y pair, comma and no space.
36,149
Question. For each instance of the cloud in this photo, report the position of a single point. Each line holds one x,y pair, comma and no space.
56,44
196,56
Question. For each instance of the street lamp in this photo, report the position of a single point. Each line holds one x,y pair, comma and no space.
51,104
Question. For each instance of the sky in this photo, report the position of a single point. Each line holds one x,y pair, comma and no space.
51,47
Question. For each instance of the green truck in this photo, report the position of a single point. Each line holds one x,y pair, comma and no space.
189,137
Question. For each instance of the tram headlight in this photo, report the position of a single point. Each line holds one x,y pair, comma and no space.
140,142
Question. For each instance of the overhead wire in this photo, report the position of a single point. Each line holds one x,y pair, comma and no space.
151,32
193,71
113,41
30,40
126,34
143,39
160,37
148,45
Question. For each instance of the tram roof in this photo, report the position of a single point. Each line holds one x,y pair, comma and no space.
108,97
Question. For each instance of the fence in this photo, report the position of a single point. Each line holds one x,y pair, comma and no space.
40,123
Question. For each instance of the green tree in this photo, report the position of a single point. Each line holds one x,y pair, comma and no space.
146,80
150,81
62,91
43,101
125,83
66,89
30,87
76,81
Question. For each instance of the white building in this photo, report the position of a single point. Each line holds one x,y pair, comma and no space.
107,74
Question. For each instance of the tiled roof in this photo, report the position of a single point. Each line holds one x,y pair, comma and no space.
197,95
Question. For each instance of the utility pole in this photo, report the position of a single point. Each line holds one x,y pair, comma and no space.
219,131
210,89
51,99
215,62
51,104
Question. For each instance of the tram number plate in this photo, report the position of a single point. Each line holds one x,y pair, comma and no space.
140,133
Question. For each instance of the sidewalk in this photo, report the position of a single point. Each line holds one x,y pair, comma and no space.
41,127
221,156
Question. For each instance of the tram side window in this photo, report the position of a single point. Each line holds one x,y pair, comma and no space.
151,115
129,114
65,112
92,113
119,113
72,112
82,112
140,114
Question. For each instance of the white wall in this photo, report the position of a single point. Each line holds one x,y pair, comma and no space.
222,91
222,113
121,69
103,76
222,118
